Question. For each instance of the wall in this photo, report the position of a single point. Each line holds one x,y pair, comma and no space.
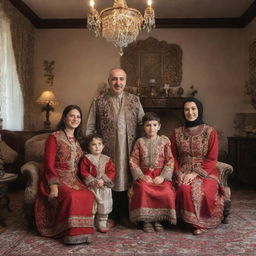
213,61
250,37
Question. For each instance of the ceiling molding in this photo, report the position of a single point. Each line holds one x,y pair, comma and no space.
238,22
26,11
248,15
199,23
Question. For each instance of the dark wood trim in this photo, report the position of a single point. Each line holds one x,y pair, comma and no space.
237,22
62,23
248,15
26,11
199,23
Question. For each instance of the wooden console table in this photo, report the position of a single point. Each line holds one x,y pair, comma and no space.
162,104
242,156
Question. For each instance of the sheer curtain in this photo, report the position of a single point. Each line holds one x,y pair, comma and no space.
11,98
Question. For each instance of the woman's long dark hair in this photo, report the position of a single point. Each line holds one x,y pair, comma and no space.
61,125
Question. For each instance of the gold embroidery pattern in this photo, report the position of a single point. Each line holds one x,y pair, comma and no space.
191,218
152,214
197,195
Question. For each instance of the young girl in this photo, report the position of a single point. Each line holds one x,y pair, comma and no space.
98,173
152,195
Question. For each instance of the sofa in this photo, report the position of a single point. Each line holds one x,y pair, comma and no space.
12,153
33,168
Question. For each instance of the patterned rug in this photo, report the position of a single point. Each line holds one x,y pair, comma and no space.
236,238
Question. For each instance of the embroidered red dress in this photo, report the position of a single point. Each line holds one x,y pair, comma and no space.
150,202
201,202
71,215
92,170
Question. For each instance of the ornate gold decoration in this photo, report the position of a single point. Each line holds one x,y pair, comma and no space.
119,24
150,59
49,71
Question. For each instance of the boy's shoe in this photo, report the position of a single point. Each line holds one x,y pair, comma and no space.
148,227
158,227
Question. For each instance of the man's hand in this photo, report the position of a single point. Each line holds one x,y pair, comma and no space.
100,183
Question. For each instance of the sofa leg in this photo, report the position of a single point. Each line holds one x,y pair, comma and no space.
226,213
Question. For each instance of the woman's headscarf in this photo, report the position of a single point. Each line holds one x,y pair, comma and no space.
199,119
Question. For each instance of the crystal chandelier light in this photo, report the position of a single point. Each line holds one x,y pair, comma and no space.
120,24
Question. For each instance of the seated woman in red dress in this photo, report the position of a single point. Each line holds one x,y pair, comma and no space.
199,199
152,195
64,205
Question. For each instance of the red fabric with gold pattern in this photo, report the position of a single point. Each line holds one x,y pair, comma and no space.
70,215
150,202
201,202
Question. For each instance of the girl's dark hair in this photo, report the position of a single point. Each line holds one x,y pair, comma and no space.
150,116
61,125
88,139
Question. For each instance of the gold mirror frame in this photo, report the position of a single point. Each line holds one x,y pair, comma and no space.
152,62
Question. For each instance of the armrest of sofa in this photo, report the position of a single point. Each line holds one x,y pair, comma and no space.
32,170
225,170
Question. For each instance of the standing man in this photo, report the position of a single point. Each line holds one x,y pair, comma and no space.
116,115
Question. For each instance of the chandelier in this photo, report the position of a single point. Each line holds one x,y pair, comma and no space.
120,24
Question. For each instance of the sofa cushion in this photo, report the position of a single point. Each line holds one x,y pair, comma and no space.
7,154
34,148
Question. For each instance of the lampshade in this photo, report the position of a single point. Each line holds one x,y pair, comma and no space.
47,97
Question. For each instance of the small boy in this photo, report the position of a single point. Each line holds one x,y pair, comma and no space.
97,171
152,197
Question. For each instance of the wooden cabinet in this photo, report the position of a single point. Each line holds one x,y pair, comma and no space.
242,155
162,104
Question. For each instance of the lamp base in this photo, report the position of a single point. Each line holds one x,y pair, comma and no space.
47,125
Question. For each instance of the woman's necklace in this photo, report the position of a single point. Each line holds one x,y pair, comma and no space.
71,141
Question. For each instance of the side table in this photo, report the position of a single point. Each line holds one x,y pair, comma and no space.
242,156
4,198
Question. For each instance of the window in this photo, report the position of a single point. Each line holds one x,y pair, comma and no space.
11,98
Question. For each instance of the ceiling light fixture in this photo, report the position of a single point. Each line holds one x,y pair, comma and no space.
120,24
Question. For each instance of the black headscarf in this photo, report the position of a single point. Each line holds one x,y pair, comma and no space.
199,119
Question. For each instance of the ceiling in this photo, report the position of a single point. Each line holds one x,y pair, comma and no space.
169,13
59,9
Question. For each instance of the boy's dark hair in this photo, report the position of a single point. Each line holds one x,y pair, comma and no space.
150,116
88,139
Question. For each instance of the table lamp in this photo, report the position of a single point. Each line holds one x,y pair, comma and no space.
47,99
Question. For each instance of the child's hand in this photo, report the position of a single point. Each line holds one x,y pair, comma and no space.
189,178
93,184
158,180
100,183
147,178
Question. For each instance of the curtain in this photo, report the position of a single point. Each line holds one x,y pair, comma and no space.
22,35
11,98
